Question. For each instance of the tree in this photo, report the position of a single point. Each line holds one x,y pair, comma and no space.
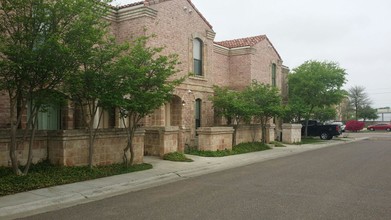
324,114
367,112
37,51
264,103
358,99
142,85
90,87
316,84
231,105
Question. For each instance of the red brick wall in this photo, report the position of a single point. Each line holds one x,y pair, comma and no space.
175,24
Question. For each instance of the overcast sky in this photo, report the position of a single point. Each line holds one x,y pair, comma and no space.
354,33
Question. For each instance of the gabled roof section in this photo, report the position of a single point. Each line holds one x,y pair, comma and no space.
200,14
246,42
152,2
242,42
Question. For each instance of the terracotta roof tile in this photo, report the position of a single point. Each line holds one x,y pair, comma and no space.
130,5
242,42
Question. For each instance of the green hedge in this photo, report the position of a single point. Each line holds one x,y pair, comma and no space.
44,175
238,149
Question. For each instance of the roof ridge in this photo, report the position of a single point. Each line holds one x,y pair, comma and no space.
128,5
151,2
242,42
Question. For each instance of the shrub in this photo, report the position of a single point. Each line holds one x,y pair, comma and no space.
238,149
277,144
354,125
45,174
176,156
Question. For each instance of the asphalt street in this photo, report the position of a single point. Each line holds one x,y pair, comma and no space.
349,181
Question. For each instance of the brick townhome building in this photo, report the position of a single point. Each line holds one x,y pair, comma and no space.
183,30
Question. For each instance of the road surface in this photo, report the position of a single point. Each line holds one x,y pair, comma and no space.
351,181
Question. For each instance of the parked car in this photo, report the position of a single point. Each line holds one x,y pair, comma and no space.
325,132
340,123
381,126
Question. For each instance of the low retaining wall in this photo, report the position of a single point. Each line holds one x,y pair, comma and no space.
250,133
215,138
39,148
270,133
184,139
161,140
70,147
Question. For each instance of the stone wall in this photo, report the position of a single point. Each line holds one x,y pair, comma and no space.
271,133
39,148
248,133
215,138
70,147
161,140
4,110
291,133
184,139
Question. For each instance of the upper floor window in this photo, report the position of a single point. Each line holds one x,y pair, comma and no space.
274,70
197,56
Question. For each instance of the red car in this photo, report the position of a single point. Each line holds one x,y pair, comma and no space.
383,126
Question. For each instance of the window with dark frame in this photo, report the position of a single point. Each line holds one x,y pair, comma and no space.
197,56
274,69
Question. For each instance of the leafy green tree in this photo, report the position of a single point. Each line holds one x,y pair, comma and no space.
324,114
358,99
38,41
367,112
264,103
294,111
90,87
231,105
143,84
316,85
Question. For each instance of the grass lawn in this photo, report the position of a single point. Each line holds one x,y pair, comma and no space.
44,175
177,157
238,149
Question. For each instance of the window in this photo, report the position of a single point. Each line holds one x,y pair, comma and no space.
274,69
197,56
49,118
197,113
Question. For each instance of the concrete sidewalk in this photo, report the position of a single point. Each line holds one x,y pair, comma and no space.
163,172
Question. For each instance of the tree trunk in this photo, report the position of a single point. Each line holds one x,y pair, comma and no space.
129,147
263,128
31,142
133,120
234,135
306,128
90,145
31,123
12,153
13,139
